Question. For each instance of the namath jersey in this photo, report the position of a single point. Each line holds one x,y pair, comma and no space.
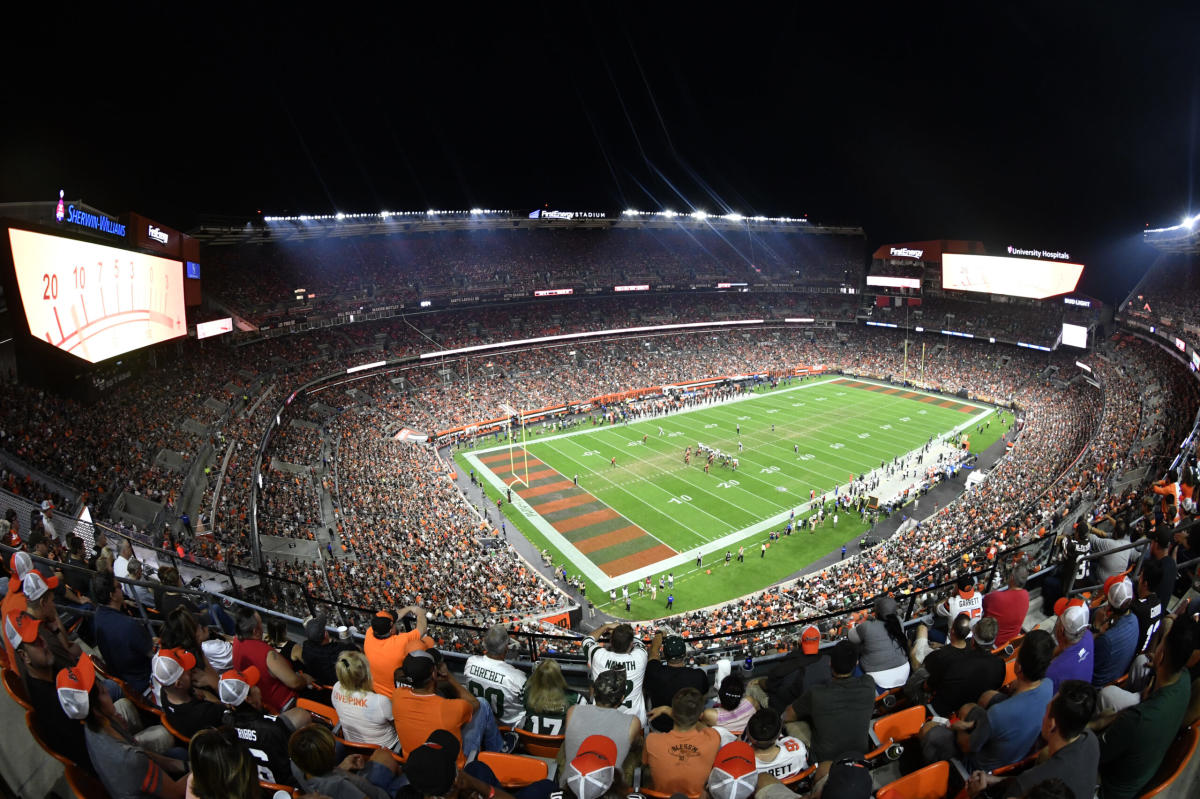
500,684
791,759
632,663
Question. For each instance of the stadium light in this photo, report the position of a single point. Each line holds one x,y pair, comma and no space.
699,215
477,210
735,217
1189,221
339,216
630,212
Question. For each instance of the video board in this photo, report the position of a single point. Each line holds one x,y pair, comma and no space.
1015,277
94,301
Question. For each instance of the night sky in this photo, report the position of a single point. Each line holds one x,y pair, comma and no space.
1064,126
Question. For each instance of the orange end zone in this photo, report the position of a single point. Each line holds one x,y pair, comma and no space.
589,545
582,498
637,561
585,519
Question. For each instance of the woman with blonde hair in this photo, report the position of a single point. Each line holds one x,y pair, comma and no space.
547,699
365,715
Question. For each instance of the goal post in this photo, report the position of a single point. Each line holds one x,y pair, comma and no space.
516,475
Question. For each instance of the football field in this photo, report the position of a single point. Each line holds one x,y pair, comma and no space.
619,502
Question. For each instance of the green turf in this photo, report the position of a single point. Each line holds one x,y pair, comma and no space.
772,478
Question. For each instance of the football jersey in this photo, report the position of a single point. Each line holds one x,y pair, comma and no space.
633,663
791,759
550,722
968,603
266,739
501,685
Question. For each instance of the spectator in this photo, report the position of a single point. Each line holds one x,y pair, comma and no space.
35,663
1160,554
1111,563
547,699
1135,740
220,767
665,679
124,643
1147,608
121,562
187,710
386,647
835,718
884,646
40,605
419,710
624,652
607,718
964,670
167,599
1074,751
315,767
781,757
264,736
498,682
1074,657
595,771
319,653
681,760
1010,605
804,668
139,592
965,599
127,770
732,708
1014,718
365,715
278,681
1116,632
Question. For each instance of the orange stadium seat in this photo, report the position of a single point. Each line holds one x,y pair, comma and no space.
84,785
541,745
514,771
1181,750
16,689
29,719
931,782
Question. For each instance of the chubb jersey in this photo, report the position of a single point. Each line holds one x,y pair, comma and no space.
501,685
633,663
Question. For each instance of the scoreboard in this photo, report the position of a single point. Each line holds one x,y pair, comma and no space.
96,301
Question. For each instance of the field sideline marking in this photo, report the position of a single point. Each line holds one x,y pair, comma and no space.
606,583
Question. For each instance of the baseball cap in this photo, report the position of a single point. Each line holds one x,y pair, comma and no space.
235,685
885,606
610,687
674,648
810,640
20,628
849,779
1119,590
382,623
591,773
1073,614
34,585
20,564
735,773
418,666
74,683
47,505
433,766
170,664
314,628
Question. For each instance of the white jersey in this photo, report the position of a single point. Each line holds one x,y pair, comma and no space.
790,760
968,603
500,684
632,663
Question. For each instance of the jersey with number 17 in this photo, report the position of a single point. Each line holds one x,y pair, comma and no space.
500,684
633,663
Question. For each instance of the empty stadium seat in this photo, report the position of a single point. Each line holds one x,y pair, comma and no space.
325,712
931,782
896,728
514,771
29,722
272,789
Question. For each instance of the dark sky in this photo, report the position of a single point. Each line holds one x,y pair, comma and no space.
1064,125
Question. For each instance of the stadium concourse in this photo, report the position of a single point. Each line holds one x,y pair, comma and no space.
378,525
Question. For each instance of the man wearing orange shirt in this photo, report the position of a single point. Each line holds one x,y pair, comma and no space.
420,710
386,646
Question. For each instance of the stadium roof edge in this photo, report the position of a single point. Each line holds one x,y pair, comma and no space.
297,229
